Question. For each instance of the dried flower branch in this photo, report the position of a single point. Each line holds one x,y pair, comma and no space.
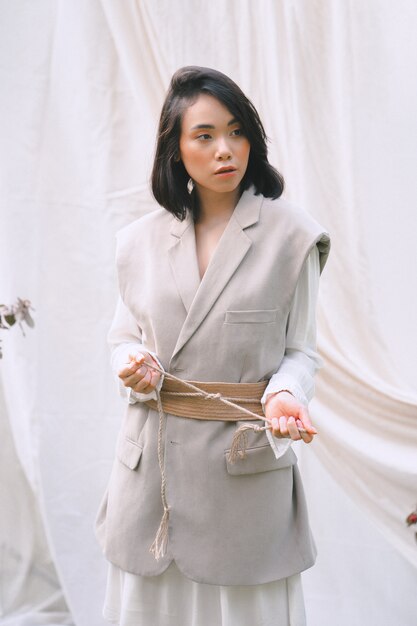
16,313
411,520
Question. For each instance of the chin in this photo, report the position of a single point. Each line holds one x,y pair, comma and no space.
228,185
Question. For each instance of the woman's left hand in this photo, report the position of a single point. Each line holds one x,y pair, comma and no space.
286,415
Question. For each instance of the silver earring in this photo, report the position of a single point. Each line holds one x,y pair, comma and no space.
190,186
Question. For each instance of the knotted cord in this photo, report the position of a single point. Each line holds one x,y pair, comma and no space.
237,448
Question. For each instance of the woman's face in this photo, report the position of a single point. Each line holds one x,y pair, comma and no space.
213,149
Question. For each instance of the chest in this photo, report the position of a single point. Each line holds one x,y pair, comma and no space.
206,242
230,324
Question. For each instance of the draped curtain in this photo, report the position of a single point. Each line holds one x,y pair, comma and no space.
82,86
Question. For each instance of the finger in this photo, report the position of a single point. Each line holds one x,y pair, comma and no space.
125,373
136,361
155,377
307,437
305,418
142,385
131,367
131,381
143,371
139,359
293,429
129,377
283,426
149,388
149,360
136,377
147,377
275,427
155,374
128,370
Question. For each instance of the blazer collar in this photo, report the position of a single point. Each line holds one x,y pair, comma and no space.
246,213
199,296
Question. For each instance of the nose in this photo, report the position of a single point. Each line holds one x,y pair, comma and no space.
223,151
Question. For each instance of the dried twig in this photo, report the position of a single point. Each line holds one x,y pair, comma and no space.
16,313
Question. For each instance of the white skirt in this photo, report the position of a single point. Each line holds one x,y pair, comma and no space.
171,599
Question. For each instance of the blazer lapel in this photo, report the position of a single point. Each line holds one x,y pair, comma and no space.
228,255
183,260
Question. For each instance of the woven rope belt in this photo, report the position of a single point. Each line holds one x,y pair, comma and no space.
177,399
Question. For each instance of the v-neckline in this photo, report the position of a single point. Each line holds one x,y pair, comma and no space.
197,293
216,247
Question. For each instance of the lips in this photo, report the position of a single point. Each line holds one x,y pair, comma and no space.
223,170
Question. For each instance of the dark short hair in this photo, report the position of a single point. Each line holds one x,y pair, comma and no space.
169,176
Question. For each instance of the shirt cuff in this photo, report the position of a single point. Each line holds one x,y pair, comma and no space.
279,445
284,383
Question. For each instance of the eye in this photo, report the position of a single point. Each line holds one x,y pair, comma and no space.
237,132
204,136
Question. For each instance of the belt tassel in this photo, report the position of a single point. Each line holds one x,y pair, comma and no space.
158,548
240,441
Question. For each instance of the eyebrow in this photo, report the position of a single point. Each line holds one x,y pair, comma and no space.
198,126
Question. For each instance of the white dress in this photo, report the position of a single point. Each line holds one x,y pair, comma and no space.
171,599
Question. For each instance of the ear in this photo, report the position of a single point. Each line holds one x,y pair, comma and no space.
177,158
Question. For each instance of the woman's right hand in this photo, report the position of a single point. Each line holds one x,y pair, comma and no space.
138,376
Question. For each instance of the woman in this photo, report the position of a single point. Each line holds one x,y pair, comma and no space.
219,286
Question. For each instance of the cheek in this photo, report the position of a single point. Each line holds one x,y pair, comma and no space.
192,157
244,151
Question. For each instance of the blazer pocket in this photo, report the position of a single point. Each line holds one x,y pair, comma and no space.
260,459
260,316
129,453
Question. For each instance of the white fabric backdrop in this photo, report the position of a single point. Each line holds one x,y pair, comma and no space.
82,85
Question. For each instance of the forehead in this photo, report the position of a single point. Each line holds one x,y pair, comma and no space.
206,110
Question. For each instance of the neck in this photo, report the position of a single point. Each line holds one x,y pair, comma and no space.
216,207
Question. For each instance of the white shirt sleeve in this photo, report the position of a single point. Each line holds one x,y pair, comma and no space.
301,360
125,338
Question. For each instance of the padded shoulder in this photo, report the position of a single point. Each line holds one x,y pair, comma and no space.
294,219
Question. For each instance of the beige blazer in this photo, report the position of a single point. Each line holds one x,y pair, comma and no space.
239,524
